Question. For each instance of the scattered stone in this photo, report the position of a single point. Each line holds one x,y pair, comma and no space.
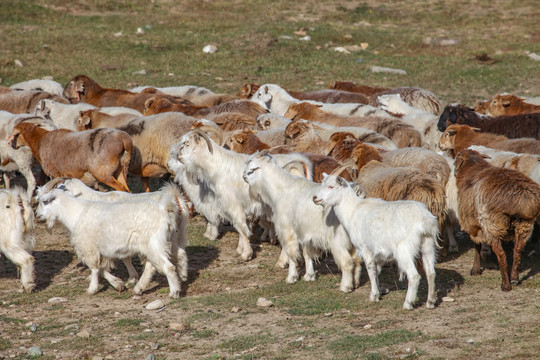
18,63
367,327
347,37
72,327
140,72
154,346
227,289
149,27
118,34
28,324
364,45
305,38
57,299
83,334
448,299
534,56
154,305
140,31
286,37
353,48
136,297
448,42
328,314
300,339
264,302
151,357
470,341
377,69
144,324
33,328
210,49
116,313
300,32
178,326
235,309
341,49
148,330
34,351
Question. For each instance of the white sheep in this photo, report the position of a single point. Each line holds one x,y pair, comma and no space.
298,222
49,86
103,231
382,231
277,100
16,233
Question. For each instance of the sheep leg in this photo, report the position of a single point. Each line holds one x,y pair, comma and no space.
310,269
7,179
112,182
283,259
115,282
173,279
522,234
371,267
30,179
133,275
357,267
145,278
496,245
476,269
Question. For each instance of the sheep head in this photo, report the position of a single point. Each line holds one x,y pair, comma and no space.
298,128
364,153
239,139
76,89
84,121
247,91
156,105
468,156
330,191
301,110
501,103
17,137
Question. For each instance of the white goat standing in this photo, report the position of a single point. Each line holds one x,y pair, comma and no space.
382,231
103,231
16,233
298,222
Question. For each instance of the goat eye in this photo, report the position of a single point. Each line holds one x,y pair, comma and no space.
7,206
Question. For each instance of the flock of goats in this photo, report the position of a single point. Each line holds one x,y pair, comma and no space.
365,173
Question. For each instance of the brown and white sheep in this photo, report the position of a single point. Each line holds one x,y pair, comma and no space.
20,102
493,201
458,137
95,155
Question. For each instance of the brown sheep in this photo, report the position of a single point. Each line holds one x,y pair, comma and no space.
458,137
402,134
508,104
493,201
158,105
84,89
20,102
234,121
102,154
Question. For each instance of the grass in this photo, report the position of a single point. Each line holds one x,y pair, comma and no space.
362,343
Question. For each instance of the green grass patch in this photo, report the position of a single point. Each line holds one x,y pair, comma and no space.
245,342
5,344
203,334
361,343
128,322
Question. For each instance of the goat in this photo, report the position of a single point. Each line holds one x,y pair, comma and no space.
101,231
382,231
299,222
458,137
493,201
95,155
517,126
508,105
16,233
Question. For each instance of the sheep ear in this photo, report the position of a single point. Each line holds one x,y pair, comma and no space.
452,132
240,141
505,103
476,129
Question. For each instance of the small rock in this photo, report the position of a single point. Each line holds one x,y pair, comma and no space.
136,297
367,327
83,334
534,56
144,324
149,27
118,34
210,49
300,33
286,37
219,78
57,299
178,326
28,324
116,313
71,327
154,305
448,299
470,341
342,50
148,330
364,45
235,309
151,357
305,38
140,72
300,339
347,37
377,69
18,63
140,31
264,302
34,351
328,314
154,346
33,328
448,42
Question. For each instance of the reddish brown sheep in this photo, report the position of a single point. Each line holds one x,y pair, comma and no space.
493,201
507,104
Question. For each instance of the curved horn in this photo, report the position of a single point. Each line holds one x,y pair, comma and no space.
340,169
206,138
277,147
52,184
215,130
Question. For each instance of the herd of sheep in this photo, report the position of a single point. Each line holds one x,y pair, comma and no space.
367,174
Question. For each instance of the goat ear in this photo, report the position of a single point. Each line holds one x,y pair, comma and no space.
341,181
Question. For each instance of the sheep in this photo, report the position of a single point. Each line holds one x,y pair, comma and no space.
50,86
423,121
382,231
528,164
458,137
508,104
82,88
493,201
299,222
271,121
277,100
230,121
152,138
199,96
65,116
24,102
18,159
16,233
77,188
517,126
101,231
400,133
416,97
95,155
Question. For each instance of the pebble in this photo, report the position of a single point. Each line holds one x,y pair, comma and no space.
83,334
300,339
367,327
328,314
140,72
151,357
177,326
116,313
377,69
33,328
154,346
140,31
235,309
341,49
534,56
305,38
97,358
57,299
210,49
154,305
448,299
470,341
72,327
264,302
34,351
18,63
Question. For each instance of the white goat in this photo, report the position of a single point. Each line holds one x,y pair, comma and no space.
103,231
298,222
383,231
16,238
77,188
423,121
277,100
49,86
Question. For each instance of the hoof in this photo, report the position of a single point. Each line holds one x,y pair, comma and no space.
174,294
309,277
506,287
430,305
291,279
475,272
407,306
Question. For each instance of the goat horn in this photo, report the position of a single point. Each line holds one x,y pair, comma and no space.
206,138
276,147
52,184
340,169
